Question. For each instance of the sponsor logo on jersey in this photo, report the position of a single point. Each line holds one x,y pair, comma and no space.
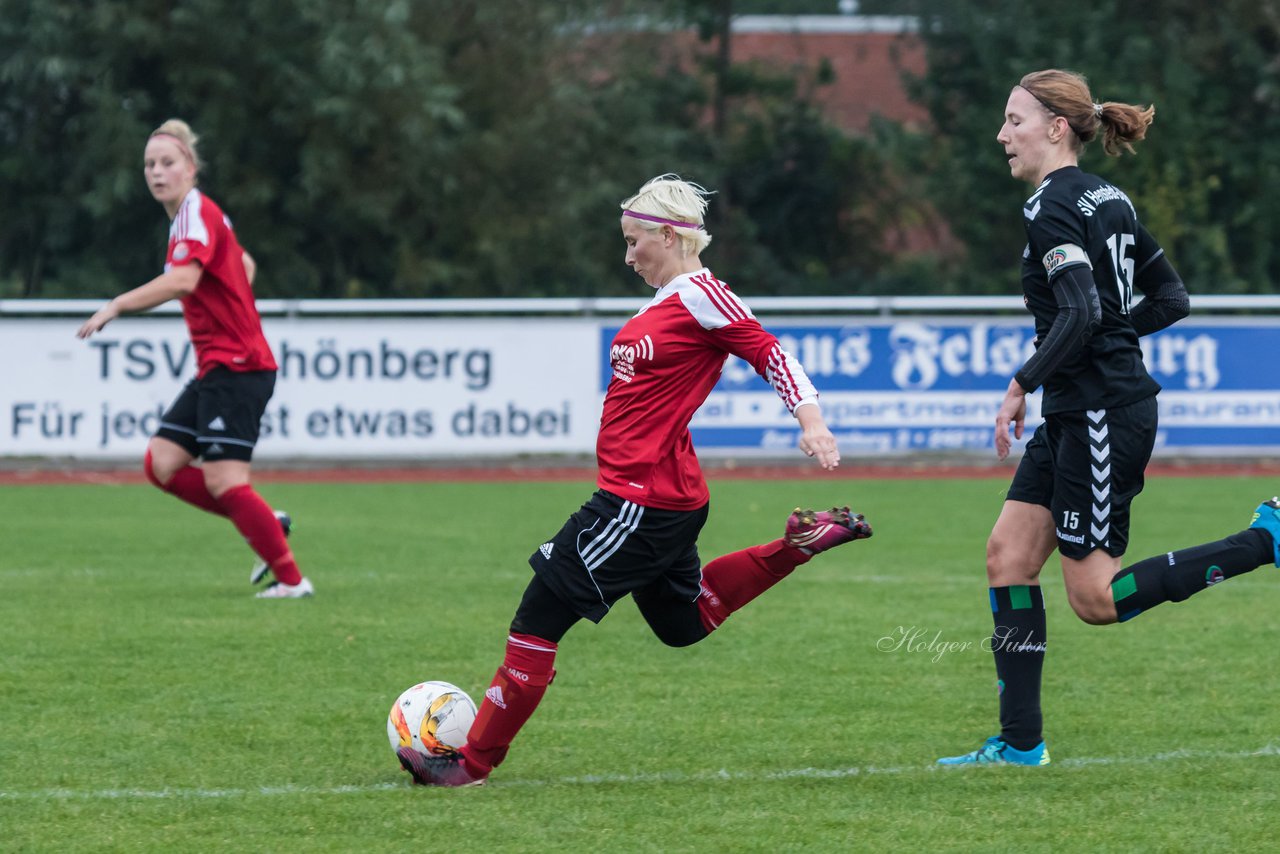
623,357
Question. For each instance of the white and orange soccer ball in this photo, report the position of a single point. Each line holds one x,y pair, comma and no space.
432,718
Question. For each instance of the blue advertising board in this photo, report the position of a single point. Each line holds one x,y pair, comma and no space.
904,385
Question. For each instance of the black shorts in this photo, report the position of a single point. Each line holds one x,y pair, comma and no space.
1087,467
218,416
612,547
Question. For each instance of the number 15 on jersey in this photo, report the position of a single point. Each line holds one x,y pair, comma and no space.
1122,263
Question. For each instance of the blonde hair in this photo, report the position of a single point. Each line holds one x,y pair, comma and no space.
680,204
185,137
1066,94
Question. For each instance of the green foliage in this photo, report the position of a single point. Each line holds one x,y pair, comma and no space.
1200,181
410,149
152,705
796,225
802,208
69,124
432,148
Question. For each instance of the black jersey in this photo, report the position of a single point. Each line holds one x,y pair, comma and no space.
1077,220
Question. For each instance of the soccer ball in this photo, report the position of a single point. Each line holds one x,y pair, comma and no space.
432,718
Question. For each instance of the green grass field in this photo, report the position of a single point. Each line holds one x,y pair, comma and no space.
149,703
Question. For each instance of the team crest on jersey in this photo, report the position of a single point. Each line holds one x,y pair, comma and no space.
623,357
180,251
1065,254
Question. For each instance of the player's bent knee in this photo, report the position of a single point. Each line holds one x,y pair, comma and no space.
1008,565
681,640
1097,610
149,469
1094,618
676,624
220,486
222,477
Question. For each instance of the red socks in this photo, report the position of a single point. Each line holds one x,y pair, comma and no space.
251,515
261,529
515,692
730,582
187,483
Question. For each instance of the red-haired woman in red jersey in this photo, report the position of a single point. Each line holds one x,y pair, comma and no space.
216,418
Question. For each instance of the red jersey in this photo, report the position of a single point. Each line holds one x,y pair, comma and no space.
220,313
665,362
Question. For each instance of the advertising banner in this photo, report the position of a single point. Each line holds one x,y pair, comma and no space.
346,388
919,385
439,388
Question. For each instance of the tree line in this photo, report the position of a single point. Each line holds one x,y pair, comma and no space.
417,148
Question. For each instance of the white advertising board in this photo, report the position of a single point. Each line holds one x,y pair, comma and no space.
380,387
347,387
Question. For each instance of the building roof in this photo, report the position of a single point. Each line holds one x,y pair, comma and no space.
868,56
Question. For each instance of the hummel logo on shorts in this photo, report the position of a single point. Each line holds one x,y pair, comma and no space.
545,548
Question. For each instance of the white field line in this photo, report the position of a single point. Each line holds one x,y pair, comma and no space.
1270,750
976,582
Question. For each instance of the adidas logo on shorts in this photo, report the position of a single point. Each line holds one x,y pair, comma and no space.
545,548
217,424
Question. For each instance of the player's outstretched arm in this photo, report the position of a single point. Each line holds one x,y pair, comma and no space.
815,439
174,284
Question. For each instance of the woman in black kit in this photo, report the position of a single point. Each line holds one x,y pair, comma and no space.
1086,253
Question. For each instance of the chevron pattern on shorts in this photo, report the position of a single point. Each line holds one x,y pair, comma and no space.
1100,465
